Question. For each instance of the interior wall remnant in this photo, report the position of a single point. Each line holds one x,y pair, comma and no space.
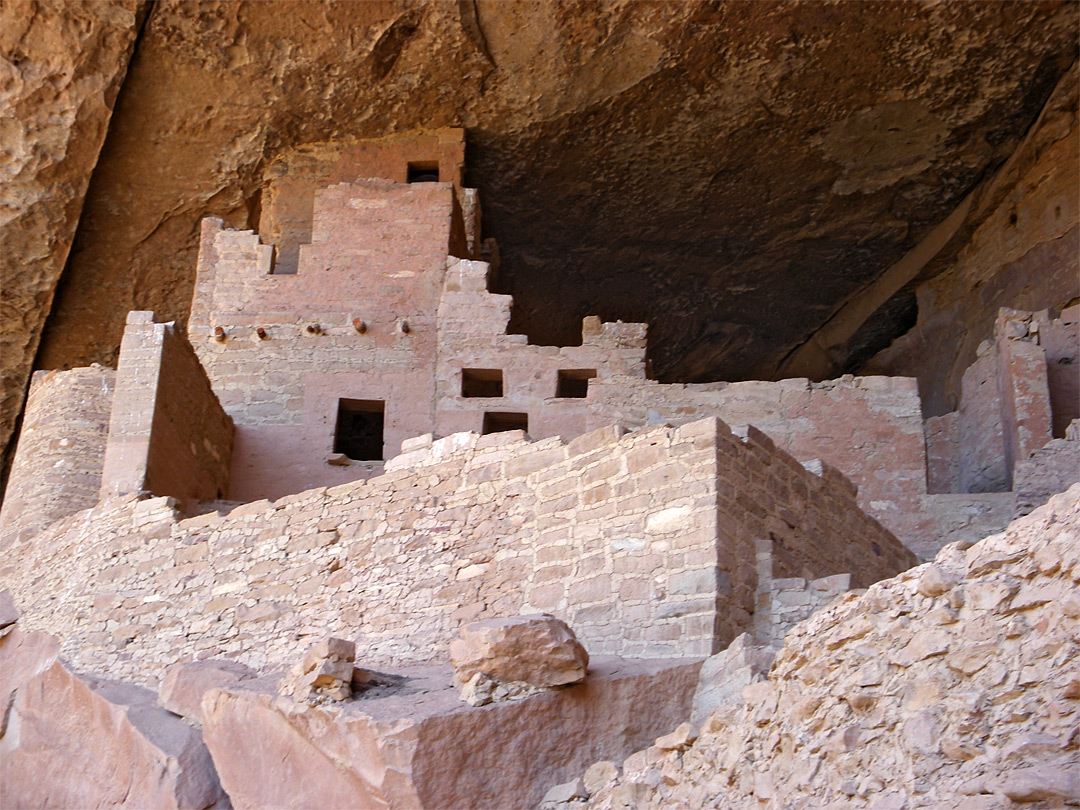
168,434
1022,255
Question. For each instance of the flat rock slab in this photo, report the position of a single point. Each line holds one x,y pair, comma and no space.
419,746
71,741
183,686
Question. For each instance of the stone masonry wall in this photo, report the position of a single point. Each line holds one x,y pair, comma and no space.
293,179
167,432
1060,339
378,256
980,439
57,467
472,326
1051,469
870,428
645,543
783,603
1011,404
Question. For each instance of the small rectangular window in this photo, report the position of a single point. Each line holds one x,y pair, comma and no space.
358,433
481,382
424,172
574,382
500,422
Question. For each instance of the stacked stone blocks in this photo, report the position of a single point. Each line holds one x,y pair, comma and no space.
640,541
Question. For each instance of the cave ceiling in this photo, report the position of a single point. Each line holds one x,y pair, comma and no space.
730,173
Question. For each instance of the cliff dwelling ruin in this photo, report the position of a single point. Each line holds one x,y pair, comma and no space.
546,405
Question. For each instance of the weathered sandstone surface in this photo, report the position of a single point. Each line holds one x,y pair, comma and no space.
72,741
419,746
953,685
61,65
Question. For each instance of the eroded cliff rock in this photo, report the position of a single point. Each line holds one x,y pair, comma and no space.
729,173
61,65
1021,249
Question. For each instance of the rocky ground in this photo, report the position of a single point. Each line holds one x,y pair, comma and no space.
955,685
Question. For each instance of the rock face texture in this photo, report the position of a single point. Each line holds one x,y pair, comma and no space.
763,174
61,66
953,685
71,741
1018,249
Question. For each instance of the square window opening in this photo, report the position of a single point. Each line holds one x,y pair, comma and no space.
481,382
501,422
358,433
424,172
574,383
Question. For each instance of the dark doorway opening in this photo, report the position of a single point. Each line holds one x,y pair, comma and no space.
501,422
358,433
481,382
427,172
574,382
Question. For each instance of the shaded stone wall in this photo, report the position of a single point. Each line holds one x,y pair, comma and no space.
57,466
1049,470
1016,395
646,543
167,433
1060,339
783,603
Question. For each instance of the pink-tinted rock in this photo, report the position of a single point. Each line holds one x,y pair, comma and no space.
325,673
539,650
419,746
9,614
71,741
183,686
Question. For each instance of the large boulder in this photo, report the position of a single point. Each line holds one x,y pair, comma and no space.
71,741
539,650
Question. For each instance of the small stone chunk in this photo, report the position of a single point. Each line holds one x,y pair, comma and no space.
325,674
680,738
565,792
600,775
